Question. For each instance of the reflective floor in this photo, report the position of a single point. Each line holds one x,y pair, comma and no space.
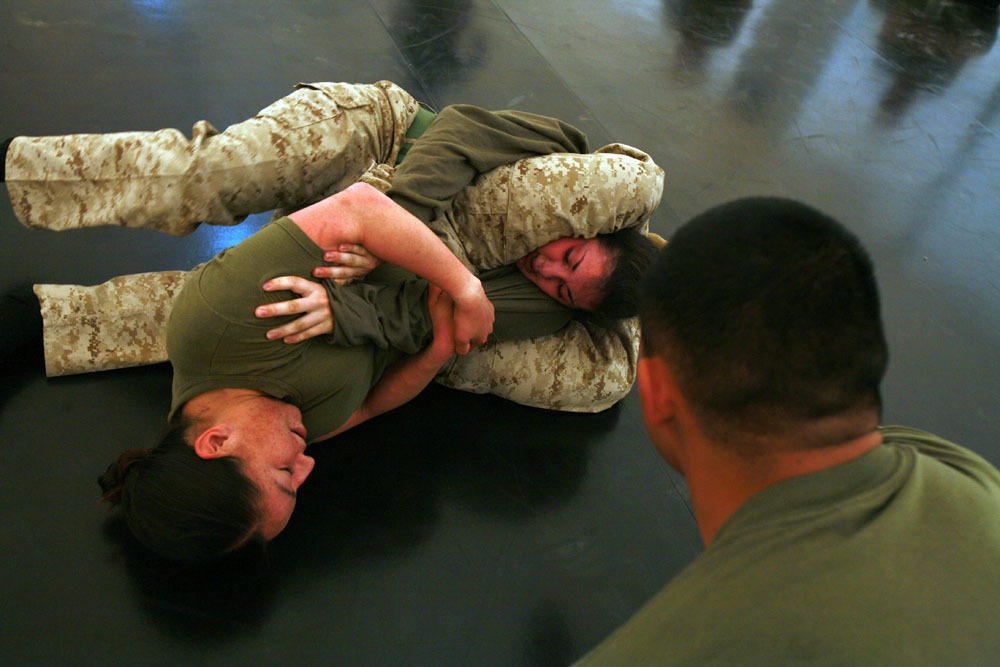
463,530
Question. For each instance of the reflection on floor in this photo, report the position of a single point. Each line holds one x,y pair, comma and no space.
463,529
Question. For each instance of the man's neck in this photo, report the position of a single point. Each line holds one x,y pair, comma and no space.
721,480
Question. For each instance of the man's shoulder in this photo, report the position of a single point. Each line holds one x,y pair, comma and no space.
809,605
823,577
958,464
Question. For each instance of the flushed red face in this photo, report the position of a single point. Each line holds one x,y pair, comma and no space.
570,270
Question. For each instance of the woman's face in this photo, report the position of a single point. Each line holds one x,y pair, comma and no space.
570,270
270,442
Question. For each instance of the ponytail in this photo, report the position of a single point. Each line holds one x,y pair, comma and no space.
179,505
113,480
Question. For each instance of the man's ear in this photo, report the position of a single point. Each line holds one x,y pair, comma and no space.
214,442
657,391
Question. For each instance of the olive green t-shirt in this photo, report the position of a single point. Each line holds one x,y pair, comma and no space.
215,341
891,559
380,309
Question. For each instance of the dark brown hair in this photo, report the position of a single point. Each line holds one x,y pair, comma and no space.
179,505
632,253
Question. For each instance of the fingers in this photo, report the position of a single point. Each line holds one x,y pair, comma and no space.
466,345
443,315
350,254
312,296
439,303
281,308
317,330
297,326
342,274
350,262
313,302
304,304
434,293
473,322
297,284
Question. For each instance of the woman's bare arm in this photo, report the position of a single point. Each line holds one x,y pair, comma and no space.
409,376
363,215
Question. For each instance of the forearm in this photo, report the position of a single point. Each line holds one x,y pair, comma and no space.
363,215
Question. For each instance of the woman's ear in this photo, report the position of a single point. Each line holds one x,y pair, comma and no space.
214,442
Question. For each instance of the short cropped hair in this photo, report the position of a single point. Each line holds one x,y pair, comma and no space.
768,313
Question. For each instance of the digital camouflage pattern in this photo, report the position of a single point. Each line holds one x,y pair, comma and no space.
116,324
516,208
501,217
304,147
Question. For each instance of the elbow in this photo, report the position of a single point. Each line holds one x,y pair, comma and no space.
367,203
369,206
363,195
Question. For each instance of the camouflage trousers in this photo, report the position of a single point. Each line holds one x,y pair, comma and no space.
300,149
505,214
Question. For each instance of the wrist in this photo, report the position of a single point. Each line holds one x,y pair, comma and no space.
471,291
435,356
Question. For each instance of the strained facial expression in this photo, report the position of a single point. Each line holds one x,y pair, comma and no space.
570,270
272,443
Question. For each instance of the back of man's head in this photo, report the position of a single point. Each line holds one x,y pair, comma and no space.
767,312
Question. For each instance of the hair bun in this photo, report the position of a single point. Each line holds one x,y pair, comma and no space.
113,480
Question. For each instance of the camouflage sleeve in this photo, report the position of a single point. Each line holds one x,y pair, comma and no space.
579,369
517,208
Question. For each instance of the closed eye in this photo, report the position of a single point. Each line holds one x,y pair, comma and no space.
569,260
564,291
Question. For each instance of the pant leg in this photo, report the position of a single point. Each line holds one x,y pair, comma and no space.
306,146
116,324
